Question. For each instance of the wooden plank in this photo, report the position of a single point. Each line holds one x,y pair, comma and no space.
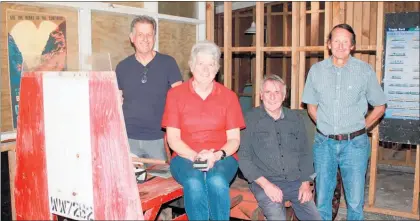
365,28
373,167
236,62
12,173
327,26
357,25
302,60
342,17
295,59
269,42
335,13
314,29
277,49
286,31
372,34
8,147
259,63
416,190
375,141
227,62
210,21
243,49
350,13
31,167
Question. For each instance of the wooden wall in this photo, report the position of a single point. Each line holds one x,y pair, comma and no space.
177,39
110,35
72,52
132,4
183,9
361,15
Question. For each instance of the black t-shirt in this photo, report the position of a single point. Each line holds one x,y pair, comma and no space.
144,103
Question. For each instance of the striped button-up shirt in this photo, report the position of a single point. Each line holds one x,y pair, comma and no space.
342,94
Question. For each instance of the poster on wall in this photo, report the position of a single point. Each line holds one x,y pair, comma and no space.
36,42
401,79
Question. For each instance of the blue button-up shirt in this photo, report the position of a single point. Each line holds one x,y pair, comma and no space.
342,94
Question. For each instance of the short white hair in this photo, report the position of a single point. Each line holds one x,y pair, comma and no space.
275,78
206,47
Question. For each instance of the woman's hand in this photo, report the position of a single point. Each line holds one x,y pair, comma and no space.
208,155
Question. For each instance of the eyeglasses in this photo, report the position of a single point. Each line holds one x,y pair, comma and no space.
144,78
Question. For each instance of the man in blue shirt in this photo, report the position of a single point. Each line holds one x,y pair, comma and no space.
144,79
337,92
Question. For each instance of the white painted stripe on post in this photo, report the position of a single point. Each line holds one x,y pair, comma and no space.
68,143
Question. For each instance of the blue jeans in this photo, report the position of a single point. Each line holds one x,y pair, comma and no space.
352,157
277,211
206,194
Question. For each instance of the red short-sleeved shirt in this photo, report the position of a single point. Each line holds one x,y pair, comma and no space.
203,123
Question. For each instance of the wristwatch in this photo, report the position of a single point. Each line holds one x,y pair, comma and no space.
223,155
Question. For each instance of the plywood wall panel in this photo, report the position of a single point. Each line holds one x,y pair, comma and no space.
72,51
177,39
110,35
183,9
131,4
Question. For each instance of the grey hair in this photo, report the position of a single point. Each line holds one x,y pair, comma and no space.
207,47
275,78
143,19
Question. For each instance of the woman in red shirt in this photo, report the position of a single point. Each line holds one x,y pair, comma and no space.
203,120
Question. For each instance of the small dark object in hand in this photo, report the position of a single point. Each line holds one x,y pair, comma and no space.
200,164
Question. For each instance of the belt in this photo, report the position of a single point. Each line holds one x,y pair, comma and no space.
344,136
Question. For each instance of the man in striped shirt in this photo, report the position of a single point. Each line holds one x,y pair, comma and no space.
337,92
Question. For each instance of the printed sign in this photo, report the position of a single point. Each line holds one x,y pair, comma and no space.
36,41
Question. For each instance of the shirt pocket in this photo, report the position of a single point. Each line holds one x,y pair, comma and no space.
293,140
353,92
262,138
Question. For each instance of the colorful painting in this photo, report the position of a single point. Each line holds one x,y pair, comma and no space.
36,42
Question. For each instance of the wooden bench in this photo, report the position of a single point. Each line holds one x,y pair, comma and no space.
243,203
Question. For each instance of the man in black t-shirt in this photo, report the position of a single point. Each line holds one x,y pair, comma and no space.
144,79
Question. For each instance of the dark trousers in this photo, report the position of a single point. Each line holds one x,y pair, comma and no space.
277,211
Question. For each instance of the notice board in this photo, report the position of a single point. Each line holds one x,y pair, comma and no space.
401,79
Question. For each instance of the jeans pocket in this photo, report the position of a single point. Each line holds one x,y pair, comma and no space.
361,141
319,139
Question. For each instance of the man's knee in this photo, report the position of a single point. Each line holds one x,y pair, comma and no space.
308,211
272,210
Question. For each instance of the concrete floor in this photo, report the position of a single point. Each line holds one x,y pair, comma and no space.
394,190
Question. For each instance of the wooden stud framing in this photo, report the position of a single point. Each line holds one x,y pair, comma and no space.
327,26
236,62
210,21
314,29
375,140
227,62
269,43
302,63
357,24
363,16
285,41
365,28
295,60
259,40
416,190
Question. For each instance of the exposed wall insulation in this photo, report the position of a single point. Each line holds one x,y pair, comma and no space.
183,9
110,35
177,39
72,51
